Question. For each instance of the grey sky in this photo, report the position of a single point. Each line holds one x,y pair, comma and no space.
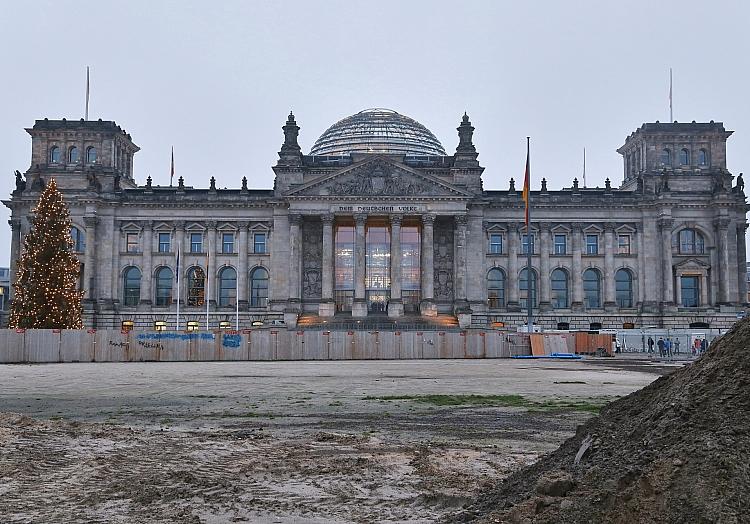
217,79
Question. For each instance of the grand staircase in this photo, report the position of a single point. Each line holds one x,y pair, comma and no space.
344,321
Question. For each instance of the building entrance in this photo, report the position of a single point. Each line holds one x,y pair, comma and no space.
377,302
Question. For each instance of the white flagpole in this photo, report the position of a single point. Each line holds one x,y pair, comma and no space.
178,287
208,282
671,117
237,299
86,117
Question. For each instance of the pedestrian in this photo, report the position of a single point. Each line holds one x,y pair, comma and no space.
696,346
668,347
660,345
677,345
704,345
650,345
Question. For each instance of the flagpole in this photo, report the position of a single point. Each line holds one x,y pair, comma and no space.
584,168
529,272
208,282
178,287
86,117
237,299
671,118
171,169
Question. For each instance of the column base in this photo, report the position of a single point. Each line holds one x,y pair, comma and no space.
395,308
427,308
545,307
513,307
327,309
359,308
577,306
610,307
290,319
464,319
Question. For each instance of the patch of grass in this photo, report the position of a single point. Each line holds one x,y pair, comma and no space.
515,401
246,414
207,396
569,382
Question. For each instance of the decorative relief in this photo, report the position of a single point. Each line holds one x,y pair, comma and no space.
443,260
312,259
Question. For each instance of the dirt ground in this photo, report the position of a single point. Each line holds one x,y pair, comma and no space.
284,442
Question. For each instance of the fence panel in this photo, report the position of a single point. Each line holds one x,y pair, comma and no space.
262,344
407,346
76,345
431,344
42,345
111,345
11,346
232,345
475,344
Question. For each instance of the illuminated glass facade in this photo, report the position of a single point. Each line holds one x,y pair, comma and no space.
378,264
410,272
344,267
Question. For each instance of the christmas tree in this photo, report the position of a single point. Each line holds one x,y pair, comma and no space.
46,286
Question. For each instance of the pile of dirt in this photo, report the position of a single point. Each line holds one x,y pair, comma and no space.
676,451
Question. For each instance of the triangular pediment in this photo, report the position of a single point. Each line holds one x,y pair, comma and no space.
378,176
692,264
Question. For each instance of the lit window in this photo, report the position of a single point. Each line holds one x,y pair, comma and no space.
624,288
193,325
227,242
227,287
592,288
684,157
225,324
592,244
160,325
691,242
666,157
54,155
196,242
496,288
73,155
91,155
163,287
196,281
559,285
126,325
689,291
527,243
258,287
259,243
623,244
132,286
702,157
131,242
496,244
165,242
561,244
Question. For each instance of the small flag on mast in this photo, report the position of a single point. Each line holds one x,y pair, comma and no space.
86,116
526,188
671,118
171,170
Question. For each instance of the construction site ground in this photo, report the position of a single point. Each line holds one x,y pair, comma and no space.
285,442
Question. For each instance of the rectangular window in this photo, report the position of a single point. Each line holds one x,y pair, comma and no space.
690,291
196,242
165,242
227,242
527,243
259,243
496,244
623,244
561,244
131,242
592,244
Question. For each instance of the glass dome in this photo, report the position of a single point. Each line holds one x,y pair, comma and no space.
377,131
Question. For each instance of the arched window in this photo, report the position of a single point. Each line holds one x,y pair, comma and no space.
258,287
592,286
624,288
73,155
666,157
227,286
691,242
131,294
559,288
684,157
702,157
163,286
496,288
91,155
196,282
79,239
54,155
525,292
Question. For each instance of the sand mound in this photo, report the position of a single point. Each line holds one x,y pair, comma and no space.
675,451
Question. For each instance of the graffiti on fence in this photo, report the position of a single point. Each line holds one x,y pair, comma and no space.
176,336
150,345
118,344
231,341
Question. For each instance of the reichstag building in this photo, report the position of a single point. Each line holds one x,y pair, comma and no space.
377,223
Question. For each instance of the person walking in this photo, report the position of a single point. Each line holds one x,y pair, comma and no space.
668,347
696,346
677,345
660,345
650,345
704,345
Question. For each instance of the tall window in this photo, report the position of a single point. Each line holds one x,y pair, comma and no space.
196,282
691,242
527,292
163,286
496,243
561,244
623,244
624,288
258,287
196,242
91,155
689,290
559,284
132,286
702,157
666,157
259,243
227,286
378,267
411,281
54,155
227,242
131,242
79,239
496,288
684,157
592,287
592,244
344,267
527,243
73,155
165,242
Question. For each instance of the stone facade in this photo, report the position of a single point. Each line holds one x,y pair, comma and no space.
376,233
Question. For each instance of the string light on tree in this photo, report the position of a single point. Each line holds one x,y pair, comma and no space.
46,285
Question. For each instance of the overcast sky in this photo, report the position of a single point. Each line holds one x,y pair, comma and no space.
216,80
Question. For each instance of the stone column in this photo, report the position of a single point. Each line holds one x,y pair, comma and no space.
544,270
577,304
179,233
117,284
89,269
148,269
742,263
211,272
15,252
295,259
610,295
427,306
722,230
359,308
327,307
460,262
395,305
242,268
665,228
641,265
513,277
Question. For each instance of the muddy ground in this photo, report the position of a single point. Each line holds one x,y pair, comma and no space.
368,441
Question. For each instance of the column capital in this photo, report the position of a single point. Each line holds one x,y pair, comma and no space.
180,224
512,227
327,218
295,219
742,227
15,224
148,224
396,220
461,220
577,226
243,224
360,218
428,220
211,224
545,227
609,227
665,223
90,221
721,222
